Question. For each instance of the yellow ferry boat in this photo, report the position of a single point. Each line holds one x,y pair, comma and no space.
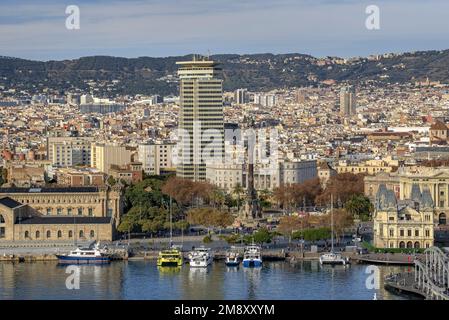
170,258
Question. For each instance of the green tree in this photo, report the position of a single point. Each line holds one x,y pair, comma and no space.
359,206
260,236
238,191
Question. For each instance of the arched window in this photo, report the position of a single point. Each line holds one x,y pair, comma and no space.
409,245
92,233
416,245
27,234
70,234
59,234
402,244
48,234
81,233
38,234
2,220
442,218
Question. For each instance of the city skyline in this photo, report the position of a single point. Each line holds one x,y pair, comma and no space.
318,28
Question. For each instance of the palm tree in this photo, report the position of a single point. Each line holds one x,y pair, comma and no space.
238,190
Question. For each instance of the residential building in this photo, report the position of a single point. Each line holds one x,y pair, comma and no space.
156,157
69,151
103,155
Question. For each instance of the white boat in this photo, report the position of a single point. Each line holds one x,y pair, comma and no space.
85,255
232,257
252,256
200,257
333,257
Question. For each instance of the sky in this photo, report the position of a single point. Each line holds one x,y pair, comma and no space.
158,28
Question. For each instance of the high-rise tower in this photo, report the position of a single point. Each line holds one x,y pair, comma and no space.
201,117
347,101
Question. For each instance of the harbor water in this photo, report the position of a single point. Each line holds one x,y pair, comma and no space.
144,280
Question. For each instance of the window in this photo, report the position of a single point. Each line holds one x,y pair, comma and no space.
91,212
81,234
2,232
69,211
48,211
92,233
427,233
2,220
70,234
416,233
391,232
27,234
48,234
409,233
59,234
401,232
59,211
38,234
80,211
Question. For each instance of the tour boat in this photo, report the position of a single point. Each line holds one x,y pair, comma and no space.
252,256
85,255
333,257
169,258
200,257
173,256
232,258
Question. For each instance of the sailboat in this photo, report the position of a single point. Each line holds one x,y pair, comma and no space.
173,256
333,257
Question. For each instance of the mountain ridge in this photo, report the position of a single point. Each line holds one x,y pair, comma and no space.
261,71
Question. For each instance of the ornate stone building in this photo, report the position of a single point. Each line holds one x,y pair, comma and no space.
401,183
20,222
404,223
60,213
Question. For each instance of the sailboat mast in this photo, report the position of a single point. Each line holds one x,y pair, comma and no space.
332,223
171,227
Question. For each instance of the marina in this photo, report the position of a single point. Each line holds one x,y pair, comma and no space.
305,280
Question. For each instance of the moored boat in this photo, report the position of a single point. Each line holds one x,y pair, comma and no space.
333,257
252,256
232,257
169,258
85,256
200,257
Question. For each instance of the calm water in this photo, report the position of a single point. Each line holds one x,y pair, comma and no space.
143,280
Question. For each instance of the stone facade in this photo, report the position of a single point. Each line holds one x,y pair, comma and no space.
401,183
20,222
403,224
74,201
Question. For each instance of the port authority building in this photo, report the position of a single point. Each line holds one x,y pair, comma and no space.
60,213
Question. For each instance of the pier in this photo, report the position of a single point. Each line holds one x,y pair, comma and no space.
430,279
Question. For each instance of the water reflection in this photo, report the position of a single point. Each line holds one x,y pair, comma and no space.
144,280
252,277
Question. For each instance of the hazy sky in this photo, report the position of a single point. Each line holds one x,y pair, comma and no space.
36,29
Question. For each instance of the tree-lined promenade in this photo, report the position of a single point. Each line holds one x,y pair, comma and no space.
305,206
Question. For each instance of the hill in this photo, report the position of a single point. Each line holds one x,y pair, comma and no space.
148,75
